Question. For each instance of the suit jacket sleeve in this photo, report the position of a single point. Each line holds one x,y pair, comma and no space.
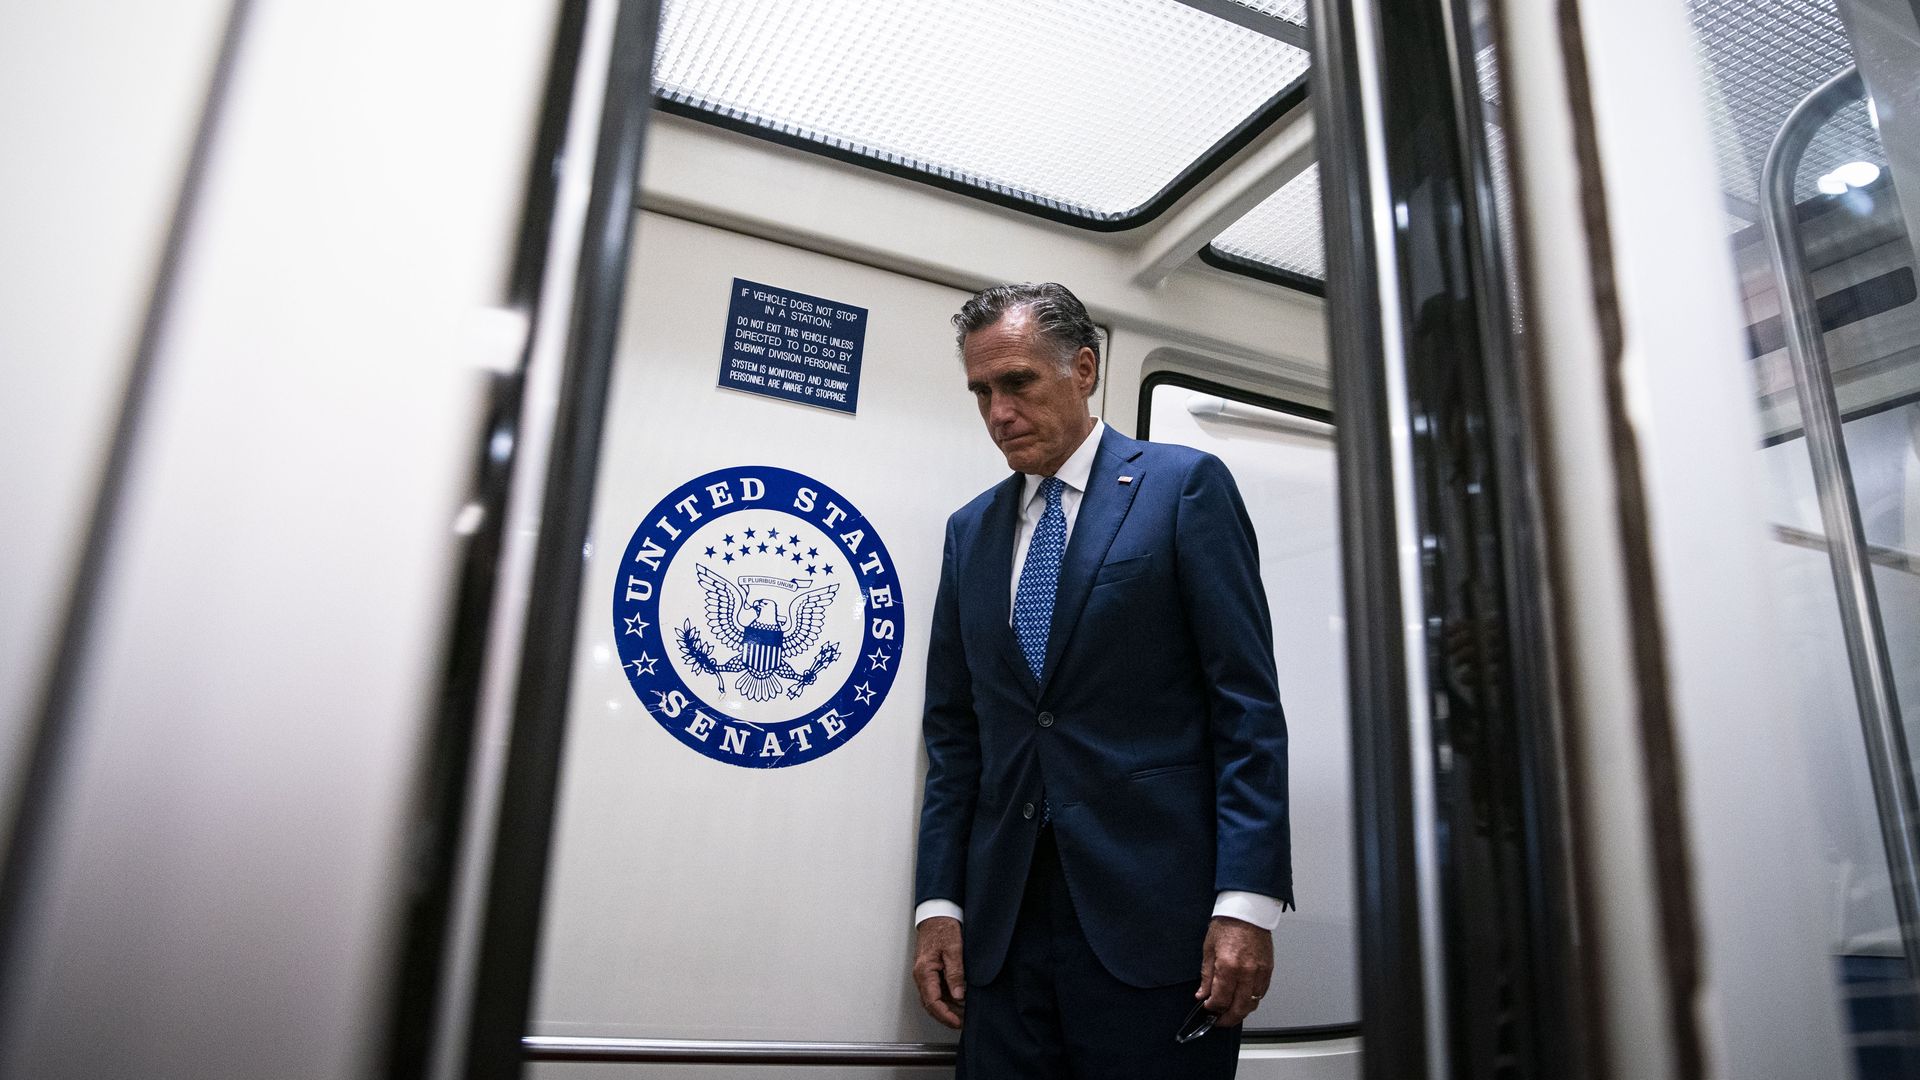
953,747
1227,616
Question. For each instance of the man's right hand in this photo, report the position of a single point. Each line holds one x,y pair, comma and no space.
938,970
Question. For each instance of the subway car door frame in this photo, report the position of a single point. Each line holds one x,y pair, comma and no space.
1468,935
1582,441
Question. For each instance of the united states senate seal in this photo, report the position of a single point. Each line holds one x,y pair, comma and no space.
758,616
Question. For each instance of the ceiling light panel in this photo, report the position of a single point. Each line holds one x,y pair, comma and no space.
1283,232
1088,108
1293,11
1762,59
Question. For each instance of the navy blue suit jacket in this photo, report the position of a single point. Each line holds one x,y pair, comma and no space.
1155,728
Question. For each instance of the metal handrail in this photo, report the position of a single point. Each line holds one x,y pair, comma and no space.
600,1049
1893,558
551,1048
1888,760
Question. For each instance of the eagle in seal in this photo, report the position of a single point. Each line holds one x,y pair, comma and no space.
767,640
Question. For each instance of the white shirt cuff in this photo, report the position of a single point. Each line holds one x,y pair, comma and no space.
933,909
1261,911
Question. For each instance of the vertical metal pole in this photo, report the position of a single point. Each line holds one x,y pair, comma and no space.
1887,758
1399,982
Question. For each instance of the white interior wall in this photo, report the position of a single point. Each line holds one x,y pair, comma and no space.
227,842
99,102
692,898
717,894
680,880
1766,1001
752,186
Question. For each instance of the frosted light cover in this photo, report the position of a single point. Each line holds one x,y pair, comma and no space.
1764,58
1283,232
1294,11
1090,108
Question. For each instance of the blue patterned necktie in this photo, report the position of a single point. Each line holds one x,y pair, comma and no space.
1040,577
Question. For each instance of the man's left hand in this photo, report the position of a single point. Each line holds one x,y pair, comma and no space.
1236,964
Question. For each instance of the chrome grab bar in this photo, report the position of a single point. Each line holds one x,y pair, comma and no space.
600,1049
1888,760
1892,558
551,1048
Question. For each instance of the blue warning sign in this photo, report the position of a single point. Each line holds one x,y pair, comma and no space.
792,346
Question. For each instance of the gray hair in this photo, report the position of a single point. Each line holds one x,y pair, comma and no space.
1057,317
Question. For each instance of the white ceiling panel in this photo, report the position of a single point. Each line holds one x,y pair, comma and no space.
1090,109
1283,232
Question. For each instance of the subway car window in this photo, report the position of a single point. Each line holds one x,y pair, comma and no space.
1283,464
1819,156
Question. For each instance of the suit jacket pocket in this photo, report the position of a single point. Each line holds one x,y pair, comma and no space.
1122,570
1162,770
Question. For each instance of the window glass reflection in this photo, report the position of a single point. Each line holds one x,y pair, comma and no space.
1850,230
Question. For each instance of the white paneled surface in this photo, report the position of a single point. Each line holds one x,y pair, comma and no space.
690,898
693,898
1331,1059
225,842
1284,467
696,171
696,899
98,105
1765,968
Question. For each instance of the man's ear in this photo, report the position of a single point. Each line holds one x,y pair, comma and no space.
1086,368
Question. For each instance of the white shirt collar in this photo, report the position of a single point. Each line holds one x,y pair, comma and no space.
1077,469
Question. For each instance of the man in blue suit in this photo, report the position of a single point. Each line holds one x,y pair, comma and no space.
1103,841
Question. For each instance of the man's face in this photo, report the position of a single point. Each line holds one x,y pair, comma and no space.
1036,413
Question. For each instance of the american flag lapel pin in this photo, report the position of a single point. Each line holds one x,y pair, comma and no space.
1126,479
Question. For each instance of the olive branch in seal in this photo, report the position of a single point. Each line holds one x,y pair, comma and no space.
693,649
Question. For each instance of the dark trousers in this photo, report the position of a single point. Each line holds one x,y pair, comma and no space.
1055,1013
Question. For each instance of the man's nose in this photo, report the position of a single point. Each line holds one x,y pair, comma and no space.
999,411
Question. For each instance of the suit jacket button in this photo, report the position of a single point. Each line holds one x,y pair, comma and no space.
1046,719
1026,810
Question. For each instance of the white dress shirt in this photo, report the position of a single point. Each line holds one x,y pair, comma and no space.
1261,911
1074,473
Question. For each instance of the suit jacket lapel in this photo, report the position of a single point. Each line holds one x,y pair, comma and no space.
993,575
1102,508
